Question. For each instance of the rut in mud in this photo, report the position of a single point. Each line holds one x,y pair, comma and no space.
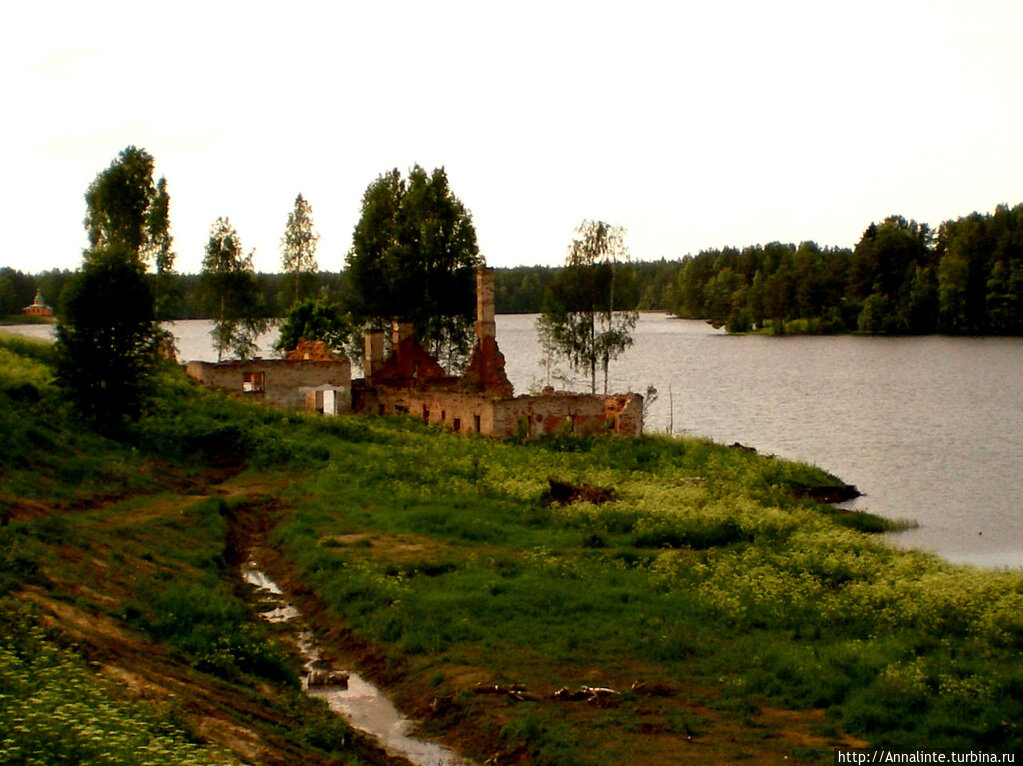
359,702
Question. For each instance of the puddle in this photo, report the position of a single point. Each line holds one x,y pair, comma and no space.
359,702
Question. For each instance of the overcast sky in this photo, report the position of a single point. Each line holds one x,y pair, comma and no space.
693,125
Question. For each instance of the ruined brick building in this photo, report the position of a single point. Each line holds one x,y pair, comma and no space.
308,378
411,382
481,400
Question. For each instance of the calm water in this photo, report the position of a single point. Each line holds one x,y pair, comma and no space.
929,428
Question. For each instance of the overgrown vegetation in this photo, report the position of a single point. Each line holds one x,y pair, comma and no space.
53,709
706,577
111,569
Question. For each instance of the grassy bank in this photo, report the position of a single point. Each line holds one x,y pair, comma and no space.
733,616
705,575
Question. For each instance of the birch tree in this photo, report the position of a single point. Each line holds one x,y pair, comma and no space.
230,293
584,316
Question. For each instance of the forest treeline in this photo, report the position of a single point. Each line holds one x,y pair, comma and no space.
901,277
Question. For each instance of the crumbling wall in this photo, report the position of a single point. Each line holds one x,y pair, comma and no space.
527,416
311,350
459,411
275,382
485,370
626,412
569,413
408,366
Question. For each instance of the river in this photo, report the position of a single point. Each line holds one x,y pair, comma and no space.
929,428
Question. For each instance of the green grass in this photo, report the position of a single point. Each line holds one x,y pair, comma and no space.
705,565
706,571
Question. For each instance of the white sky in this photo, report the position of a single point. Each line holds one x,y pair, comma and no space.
693,125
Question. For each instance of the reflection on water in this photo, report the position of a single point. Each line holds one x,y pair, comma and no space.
930,428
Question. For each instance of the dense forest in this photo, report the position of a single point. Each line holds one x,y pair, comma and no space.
902,277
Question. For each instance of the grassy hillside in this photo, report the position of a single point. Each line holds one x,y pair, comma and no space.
732,616
125,637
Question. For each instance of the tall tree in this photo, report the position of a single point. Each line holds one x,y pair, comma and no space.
583,316
117,203
231,293
107,331
107,338
127,212
158,250
413,257
298,255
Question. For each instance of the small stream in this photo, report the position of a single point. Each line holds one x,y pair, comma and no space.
354,698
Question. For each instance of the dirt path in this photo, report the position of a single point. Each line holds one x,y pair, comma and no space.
91,576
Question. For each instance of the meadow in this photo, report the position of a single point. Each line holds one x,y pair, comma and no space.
732,616
706,574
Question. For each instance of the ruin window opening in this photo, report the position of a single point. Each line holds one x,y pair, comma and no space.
253,382
476,423
426,414
456,424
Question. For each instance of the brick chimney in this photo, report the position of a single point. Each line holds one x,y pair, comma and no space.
485,325
374,352
400,331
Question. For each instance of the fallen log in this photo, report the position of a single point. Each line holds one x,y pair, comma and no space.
515,691
585,693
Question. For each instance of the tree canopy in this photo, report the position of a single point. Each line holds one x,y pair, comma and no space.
584,317
298,254
107,338
413,257
321,320
127,212
230,293
900,278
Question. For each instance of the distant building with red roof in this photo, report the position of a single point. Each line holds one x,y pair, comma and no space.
39,307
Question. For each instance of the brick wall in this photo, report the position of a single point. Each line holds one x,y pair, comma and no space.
275,381
530,416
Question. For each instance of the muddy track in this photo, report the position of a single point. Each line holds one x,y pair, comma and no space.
87,590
